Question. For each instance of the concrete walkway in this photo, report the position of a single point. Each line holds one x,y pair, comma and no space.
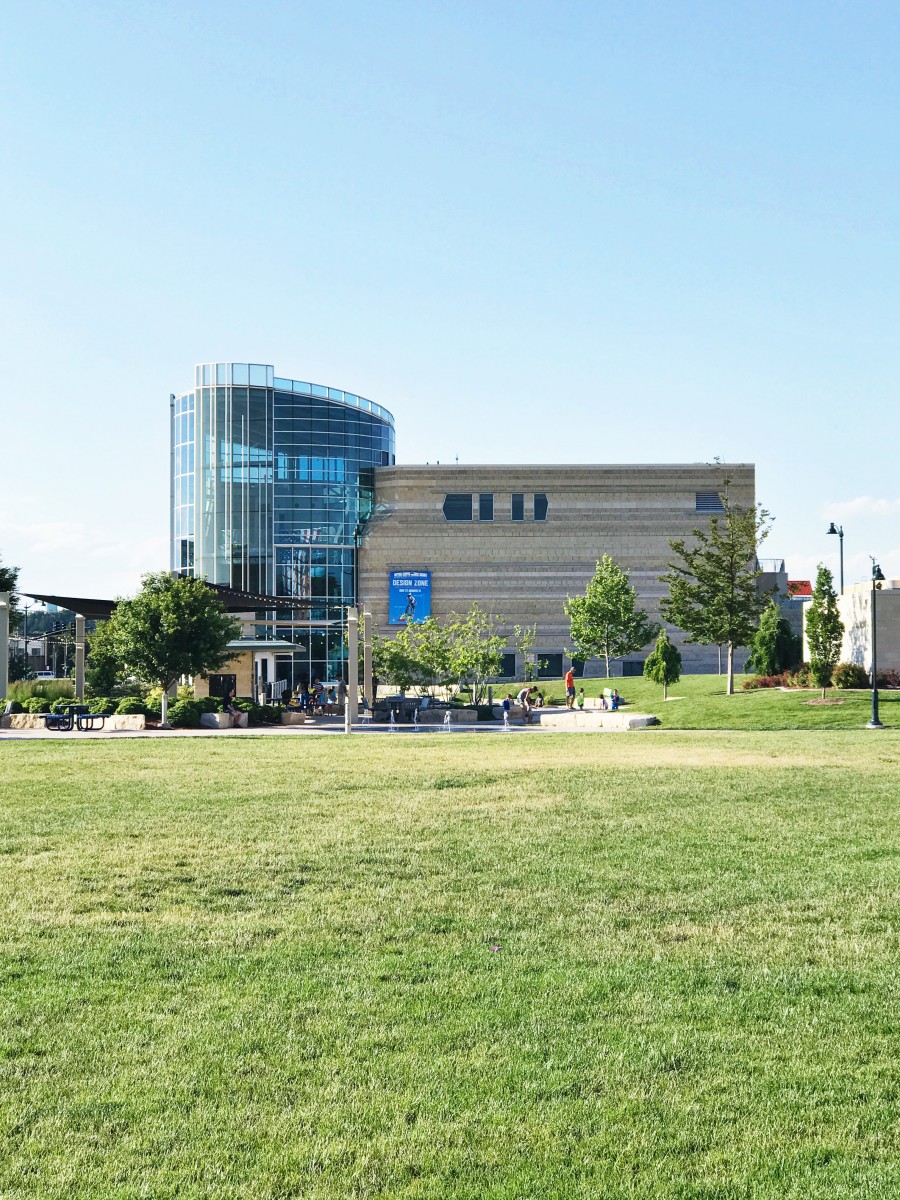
326,727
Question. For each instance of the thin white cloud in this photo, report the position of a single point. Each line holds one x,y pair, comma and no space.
73,558
862,506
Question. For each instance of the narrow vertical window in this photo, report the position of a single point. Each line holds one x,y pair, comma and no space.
540,506
518,506
486,506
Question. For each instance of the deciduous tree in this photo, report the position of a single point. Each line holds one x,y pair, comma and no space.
174,626
824,629
663,664
605,622
713,592
476,648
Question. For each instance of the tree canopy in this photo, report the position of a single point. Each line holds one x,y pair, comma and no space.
713,595
9,579
605,622
663,664
775,647
824,628
174,626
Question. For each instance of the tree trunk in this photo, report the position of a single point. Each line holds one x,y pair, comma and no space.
164,709
730,689
606,656
665,691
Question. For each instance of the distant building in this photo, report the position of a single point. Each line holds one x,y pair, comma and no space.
291,491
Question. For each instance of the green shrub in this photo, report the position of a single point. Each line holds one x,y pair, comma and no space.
131,706
62,704
101,704
15,706
184,714
850,675
35,704
153,702
209,704
265,714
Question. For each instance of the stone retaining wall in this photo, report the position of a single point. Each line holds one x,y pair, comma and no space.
132,721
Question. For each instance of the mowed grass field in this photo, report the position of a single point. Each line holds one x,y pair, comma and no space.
700,702
647,965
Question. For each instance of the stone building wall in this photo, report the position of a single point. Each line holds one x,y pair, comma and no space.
523,570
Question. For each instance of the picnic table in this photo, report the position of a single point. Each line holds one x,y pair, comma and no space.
75,716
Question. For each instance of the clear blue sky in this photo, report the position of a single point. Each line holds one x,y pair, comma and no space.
567,232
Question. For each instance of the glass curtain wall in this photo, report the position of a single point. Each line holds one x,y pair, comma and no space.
272,480
325,455
182,482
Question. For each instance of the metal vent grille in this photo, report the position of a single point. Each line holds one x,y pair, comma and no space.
709,502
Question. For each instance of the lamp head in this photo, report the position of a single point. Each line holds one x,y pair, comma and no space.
877,574
831,528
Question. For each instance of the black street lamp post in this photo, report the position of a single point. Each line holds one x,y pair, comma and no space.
839,530
877,580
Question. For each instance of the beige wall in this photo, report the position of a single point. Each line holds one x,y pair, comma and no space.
855,607
240,666
524,570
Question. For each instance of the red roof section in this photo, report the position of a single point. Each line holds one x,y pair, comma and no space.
799,587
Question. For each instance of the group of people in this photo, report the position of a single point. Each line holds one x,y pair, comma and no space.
316,698
529,698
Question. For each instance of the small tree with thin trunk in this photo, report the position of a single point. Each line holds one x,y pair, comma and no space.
824,629
605,622
174,626
713,591
663,664
475,648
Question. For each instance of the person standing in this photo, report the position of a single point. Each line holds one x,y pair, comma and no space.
580,700
570,688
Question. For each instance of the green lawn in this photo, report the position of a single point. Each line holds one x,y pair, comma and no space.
700,702
560,966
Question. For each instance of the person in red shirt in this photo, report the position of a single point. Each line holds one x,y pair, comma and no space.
570,688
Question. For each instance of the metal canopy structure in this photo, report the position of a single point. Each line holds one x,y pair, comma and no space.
93,609
232,600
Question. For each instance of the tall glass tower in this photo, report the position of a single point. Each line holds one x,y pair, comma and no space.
271,479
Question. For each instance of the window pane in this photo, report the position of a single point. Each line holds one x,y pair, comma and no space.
518,506
540,506
458,506
239,373
486,507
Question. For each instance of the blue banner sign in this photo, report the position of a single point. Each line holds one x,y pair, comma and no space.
409,598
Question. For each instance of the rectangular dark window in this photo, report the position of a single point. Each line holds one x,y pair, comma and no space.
221,685
632,669
540,506
549,664
508,666
486,506
709,502
518,506
458,506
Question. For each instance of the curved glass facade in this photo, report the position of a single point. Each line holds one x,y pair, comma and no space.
271,478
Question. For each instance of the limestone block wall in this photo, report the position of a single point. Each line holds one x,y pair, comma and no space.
523,570
855,607
241,666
